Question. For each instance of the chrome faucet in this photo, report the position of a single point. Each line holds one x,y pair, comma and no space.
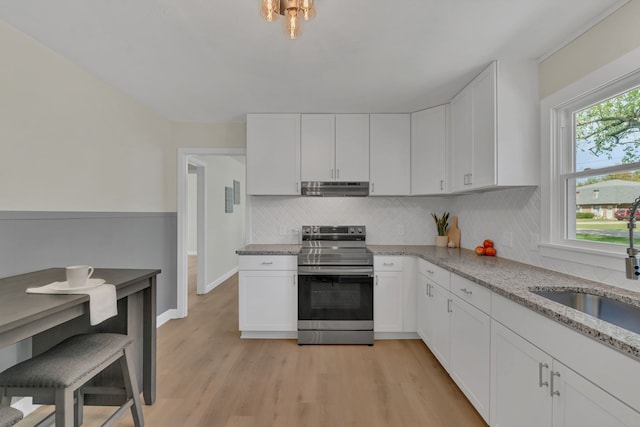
632,262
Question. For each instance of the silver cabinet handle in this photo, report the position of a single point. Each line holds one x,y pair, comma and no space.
294,280
540,382
466,291
441,184
430,272
449,306
376,280
297,190
373,187
388,263
553,392
429,288
337,173
426,289
332,174
267,262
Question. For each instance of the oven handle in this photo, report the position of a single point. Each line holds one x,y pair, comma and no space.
328,271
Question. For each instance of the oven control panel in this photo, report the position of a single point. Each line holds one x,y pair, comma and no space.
333,232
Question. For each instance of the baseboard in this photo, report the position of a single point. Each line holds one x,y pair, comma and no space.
172,313
211,286
269,335
396,336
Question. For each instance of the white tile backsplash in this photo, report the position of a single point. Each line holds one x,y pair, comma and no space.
407,220
389,220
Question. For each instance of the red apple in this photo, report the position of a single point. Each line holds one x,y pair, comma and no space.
480,250
490,251
487,243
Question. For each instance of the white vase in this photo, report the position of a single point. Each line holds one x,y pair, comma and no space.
442,240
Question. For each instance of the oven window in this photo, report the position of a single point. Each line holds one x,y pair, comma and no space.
335,298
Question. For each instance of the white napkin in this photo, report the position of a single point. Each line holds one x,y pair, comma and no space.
102,299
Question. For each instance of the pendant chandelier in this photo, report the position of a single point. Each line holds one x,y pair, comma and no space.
293,11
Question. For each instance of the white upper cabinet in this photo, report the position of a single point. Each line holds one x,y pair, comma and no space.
429,147
273,154
493,129
335,147
390,155
352,147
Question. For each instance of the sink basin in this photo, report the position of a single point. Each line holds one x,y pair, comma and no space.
621,314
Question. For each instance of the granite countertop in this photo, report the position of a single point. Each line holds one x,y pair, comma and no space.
512,280
269,250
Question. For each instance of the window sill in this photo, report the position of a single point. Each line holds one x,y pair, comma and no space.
609,259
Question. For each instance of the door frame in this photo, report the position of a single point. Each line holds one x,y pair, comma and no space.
201,220
184,158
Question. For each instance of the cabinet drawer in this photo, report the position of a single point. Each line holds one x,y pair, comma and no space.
474,294
267,262
434,273
387,263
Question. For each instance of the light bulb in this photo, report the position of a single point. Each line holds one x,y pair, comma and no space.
307,9
270,10
292,24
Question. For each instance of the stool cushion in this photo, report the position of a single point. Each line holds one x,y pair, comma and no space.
9,416
66,363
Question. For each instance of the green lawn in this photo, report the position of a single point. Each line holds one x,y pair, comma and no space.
604,224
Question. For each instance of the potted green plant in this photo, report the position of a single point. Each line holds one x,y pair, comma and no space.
442,223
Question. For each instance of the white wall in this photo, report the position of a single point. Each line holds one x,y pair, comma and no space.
225,231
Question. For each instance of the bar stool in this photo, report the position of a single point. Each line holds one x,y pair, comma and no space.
59,374
9,416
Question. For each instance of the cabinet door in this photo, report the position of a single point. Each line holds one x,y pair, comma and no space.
439,310
580,403
317,147
387,302
352,147
469,364
422,303
460,141
268,300
483,112
273,154
390,155
429,151
519,381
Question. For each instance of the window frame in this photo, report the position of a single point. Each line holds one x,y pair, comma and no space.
558,160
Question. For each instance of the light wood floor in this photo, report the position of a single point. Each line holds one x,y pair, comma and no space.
208,376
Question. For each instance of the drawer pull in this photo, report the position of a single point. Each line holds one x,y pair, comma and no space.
449,301
466,291
267,262
388,263
540,382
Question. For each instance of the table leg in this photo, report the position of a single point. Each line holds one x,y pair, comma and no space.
149,342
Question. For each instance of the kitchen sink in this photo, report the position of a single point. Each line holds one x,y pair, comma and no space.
621,314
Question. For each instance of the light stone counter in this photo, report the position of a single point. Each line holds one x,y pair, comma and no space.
512,280
269,250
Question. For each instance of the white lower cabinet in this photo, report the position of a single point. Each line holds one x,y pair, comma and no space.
268,294
440,309
469,364
387,301
529,388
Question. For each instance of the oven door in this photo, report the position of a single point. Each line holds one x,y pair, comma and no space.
335,300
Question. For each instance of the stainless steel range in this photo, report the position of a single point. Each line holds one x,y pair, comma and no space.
335,286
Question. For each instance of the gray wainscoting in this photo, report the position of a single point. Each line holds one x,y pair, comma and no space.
32,241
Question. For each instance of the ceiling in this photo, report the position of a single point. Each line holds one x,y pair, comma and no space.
214,61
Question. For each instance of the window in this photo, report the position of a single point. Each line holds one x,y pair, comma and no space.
597,166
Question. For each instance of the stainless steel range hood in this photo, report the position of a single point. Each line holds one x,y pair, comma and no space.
335,189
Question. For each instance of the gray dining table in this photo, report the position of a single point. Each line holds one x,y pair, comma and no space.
50,318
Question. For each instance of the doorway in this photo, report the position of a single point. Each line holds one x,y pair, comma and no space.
205,165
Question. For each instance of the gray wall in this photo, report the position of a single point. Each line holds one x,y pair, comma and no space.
32,241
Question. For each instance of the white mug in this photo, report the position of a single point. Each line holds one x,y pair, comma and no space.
77,275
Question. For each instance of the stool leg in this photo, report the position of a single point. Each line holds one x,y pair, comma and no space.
79,407
131,386
64,407
6,400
